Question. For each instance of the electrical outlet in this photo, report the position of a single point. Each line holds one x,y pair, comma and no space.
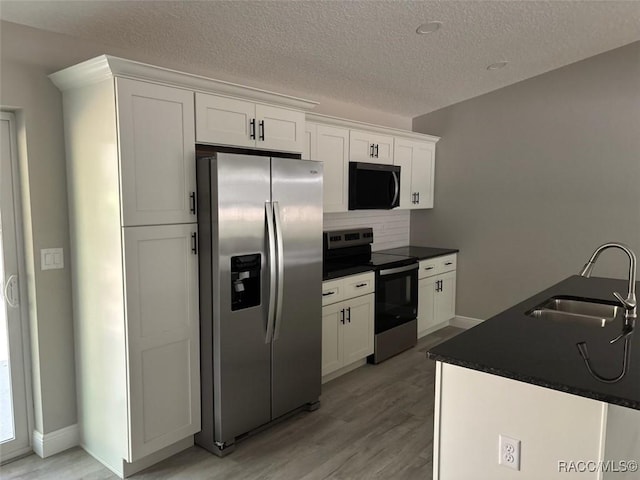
509,452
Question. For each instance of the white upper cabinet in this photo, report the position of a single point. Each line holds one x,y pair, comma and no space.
157,153
417,166
229,121
370,147
330,145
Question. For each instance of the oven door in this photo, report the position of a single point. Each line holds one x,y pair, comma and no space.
396,296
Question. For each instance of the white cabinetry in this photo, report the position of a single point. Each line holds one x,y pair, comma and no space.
436,293
331,146
370,147
347,323
230,121
337,142
157,153
130,154
417,166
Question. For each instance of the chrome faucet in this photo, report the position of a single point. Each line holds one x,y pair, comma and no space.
630,304
630,307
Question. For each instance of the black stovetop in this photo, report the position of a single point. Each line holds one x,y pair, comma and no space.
351,265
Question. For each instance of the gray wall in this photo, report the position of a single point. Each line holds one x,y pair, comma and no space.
531,178
27,57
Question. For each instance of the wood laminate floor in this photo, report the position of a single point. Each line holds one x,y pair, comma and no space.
374,423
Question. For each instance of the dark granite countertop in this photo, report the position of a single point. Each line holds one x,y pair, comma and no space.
422,253
543,352
343,272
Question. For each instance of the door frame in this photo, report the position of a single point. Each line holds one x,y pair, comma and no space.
18,161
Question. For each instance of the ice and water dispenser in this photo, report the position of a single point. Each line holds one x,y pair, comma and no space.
245,281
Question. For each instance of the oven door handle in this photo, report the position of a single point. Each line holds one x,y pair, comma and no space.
391,271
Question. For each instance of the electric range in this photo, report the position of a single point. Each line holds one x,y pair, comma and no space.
347,252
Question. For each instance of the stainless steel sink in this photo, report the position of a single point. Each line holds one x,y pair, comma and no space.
576,310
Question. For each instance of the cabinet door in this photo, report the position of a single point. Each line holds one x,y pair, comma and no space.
445,301
332,318
310,151
279,129
426,304
358,329
370,147
422,173
403,157
225,121
157,153
416,160
333,151
162,319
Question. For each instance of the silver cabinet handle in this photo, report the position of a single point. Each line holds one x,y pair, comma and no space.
280,257
268,208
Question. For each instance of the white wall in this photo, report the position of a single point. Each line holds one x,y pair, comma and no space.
531,178
27,57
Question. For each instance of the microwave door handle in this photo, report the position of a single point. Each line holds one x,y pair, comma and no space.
268,207
396,188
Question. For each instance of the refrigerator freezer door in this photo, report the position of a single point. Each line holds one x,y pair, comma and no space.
239,188
296,348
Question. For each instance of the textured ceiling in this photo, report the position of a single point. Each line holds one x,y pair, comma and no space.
362,52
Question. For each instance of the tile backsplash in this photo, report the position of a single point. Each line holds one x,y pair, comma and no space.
390,227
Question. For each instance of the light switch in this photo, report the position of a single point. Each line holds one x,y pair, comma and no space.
51,258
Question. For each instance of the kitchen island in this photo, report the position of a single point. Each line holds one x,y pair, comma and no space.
489,381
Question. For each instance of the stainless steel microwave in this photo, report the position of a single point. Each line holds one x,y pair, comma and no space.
373,186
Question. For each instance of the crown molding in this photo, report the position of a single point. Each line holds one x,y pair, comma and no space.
105,67
341,122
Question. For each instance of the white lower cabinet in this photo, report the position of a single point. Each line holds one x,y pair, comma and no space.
161,274
436,293
347,325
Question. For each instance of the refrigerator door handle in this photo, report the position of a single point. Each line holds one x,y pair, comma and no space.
280,256
268,208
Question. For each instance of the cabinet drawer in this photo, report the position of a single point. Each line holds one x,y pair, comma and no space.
347,287
357,285
332,291
437,265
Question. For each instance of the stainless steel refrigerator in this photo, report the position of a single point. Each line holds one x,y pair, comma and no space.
260,235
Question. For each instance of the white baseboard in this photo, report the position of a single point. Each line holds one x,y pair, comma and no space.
464,322
47,444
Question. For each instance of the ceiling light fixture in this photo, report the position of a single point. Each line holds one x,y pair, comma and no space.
497,65
428,27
